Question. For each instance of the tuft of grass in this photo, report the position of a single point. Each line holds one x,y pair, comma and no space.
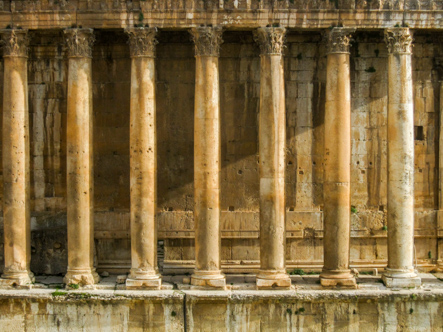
414,297
353,209
140,17
74,286
301,309
289,311
411,311
58,293
430,254
173,314
384,228
299,272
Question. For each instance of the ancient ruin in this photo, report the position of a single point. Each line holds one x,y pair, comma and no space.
211,153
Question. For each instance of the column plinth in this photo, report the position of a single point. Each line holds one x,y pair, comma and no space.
207,149
80,181
272,138
400,271
143,161
16,185
337,161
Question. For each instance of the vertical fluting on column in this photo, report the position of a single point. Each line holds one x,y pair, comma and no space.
80,181
16,191
337,162
143,160
400,271
272,138
207,158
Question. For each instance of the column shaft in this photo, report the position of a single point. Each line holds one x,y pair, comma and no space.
143,161
16,199
400,271
80,181
337,161
207,160
440,186
272,139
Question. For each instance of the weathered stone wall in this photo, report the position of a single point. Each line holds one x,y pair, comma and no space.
239,91
221,311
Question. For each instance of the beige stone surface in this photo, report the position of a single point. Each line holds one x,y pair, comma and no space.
143,154
80,184
337,160
400,156
207,163
16,177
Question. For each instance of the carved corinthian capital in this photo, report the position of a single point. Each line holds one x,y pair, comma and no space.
15,42
398,40
142,42
270,40
207,40
79,42
338,40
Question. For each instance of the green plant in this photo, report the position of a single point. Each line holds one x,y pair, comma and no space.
58,293
289,311
377,52
353,209
301,309
366,272
299,272
173,314
414,297
411,311
430,254
74,286
384,228
370,70
140,17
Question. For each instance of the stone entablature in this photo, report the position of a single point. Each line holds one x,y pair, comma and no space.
218,5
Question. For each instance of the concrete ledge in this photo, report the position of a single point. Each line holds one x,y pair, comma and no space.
196,310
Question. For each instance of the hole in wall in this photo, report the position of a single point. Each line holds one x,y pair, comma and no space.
419,133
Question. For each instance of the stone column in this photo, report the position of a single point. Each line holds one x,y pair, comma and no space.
272,138
207,159
440,176
16,214
337,162
400,271
80,180
143,161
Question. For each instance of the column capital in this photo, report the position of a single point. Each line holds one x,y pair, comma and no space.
338,40
207,40
79,42
271,40
142,42
398,40
15,42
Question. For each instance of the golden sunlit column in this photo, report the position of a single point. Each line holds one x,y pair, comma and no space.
16,184
207,151
400,271
337,161
80,180
272,139
143,161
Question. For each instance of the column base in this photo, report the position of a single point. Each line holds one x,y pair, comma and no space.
338,279
139,279
401,279
273,280
81,277
208,280
13,279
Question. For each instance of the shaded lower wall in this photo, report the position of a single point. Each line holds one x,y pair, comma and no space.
221,311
